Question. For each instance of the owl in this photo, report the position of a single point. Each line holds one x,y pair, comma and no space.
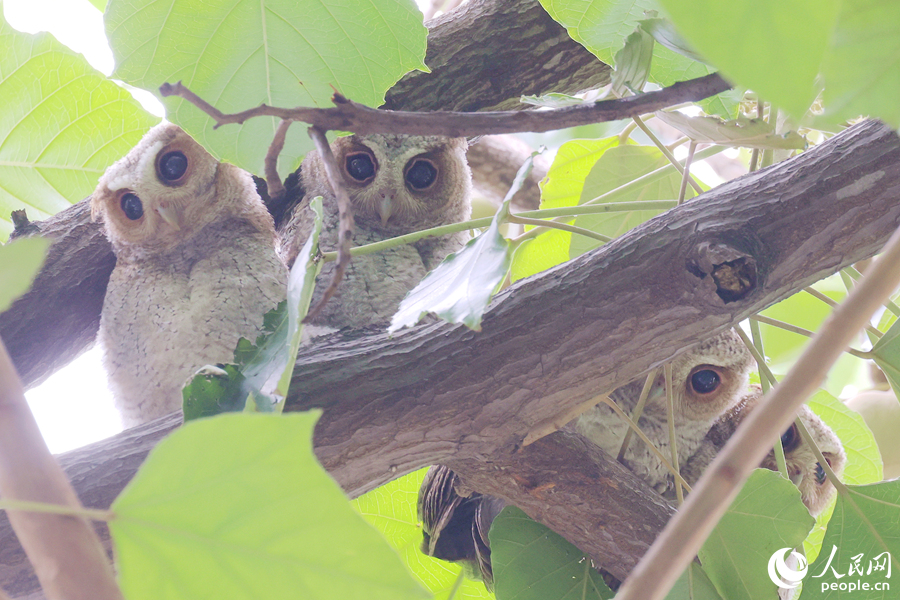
707,380
803,467
196,268
397,184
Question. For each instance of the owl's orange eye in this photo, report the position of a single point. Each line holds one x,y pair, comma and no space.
132,206
421,174
705,381
360,166
172,166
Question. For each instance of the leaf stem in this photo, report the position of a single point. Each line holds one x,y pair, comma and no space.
799,330
562,226
56,509
638,411
686,176
666,152
670,417
816,293
777,448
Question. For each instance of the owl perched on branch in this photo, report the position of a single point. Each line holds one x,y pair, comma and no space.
708,380
397,184
196,268
803,467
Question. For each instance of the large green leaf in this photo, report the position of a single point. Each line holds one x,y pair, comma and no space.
766,515
236,507
865,525
694,584
61,125
863,459
20,262
239,54
262,371
602,26
531,562
886,353
771,46
862,67
391,509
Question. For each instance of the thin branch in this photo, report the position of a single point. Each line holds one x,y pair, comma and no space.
273,181
685,533
666,152
345,219
766,384
65,551
856,275
805,332
817,294
638,411
347,115
562,226
686,175
670,418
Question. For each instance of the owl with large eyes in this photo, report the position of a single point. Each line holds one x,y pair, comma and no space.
196,268
397,184
803,467
708,380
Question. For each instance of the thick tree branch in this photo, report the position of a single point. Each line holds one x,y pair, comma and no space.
443,394
347,115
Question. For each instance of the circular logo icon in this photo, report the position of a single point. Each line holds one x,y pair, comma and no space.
787,573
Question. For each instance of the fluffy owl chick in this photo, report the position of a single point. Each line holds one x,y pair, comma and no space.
803,467
196,268
397,184
708,380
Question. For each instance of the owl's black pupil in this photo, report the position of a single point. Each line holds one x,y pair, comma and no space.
421,175
173,166
132,207
789,438
360,167
820,474
705,381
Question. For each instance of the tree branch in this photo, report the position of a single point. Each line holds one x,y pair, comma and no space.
444,394
347,115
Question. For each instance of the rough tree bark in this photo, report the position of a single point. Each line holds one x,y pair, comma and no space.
58,319
441,393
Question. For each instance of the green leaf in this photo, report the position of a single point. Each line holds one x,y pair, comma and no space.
391,509
618,166
99,4
61,125
862,66
539,254
601,26
262,371
665,33
20,262
766,515
864,526
237,507
633,63
694,584
743,131
773,47
460,288
532,562
237,55
863,459
886,353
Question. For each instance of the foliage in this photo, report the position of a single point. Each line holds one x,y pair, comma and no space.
219,507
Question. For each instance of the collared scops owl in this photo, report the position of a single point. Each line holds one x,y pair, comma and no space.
196,268
397,184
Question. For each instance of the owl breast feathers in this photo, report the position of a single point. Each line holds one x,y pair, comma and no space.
397,184
196,268
707,381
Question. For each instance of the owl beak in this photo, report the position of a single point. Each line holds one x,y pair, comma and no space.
170,216
384,209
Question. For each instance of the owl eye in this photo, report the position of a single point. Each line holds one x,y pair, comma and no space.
820,474
172,166
790,438
360,166
705,381
132,206
421,174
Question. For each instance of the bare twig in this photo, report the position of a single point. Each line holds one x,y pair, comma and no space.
350,116
686,175
638,411
273,181
668,154
345,222
683,536
64,550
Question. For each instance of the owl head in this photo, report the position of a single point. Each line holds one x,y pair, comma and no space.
711,377
398,183
166,189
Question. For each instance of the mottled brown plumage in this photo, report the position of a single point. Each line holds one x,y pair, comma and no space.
196,268
397,184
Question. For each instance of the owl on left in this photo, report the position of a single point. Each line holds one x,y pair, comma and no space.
196,268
